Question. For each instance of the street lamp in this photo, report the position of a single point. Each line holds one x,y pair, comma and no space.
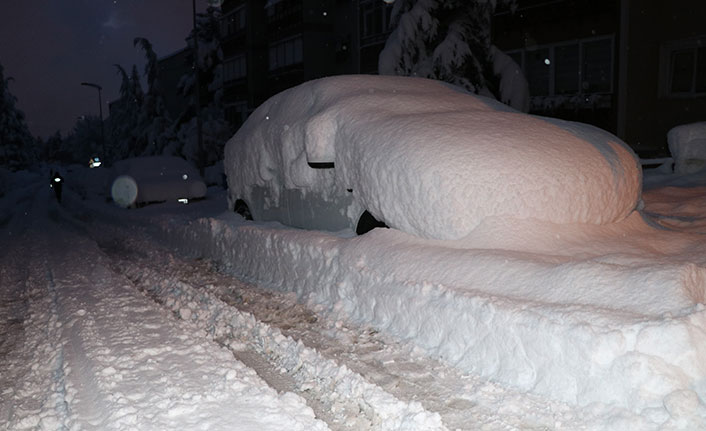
100,112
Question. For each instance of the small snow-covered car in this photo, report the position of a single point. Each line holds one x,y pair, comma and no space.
422,156
142,180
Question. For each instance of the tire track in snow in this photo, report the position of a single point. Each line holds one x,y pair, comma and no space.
57,397
351,400
99,355
191,288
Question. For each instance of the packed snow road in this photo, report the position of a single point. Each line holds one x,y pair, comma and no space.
83,349
123,319
103,328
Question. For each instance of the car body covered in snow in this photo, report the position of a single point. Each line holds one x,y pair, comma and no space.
424,157
142,180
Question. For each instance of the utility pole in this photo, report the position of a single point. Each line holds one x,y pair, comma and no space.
100,113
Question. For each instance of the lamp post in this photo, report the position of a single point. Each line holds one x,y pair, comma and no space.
100,112
197,96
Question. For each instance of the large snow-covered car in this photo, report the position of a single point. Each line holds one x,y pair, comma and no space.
422,156
142,180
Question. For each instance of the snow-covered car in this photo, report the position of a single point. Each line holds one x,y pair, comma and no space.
142,180
422,156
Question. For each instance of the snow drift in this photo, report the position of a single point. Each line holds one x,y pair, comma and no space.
425,157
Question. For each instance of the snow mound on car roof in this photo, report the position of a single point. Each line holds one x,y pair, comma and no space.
430,159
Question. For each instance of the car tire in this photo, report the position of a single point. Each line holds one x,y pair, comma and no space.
367,222
242,208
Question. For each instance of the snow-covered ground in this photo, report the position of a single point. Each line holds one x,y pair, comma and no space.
189,317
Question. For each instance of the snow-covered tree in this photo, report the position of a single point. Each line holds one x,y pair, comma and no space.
124,116
447,40
215,129
17,146
52,148
83,142
154,132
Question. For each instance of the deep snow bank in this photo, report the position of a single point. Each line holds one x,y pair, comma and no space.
552,326
425,157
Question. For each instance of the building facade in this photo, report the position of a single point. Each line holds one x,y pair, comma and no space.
635,68
272,45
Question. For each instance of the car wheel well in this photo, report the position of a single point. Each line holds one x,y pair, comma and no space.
367,222
243,209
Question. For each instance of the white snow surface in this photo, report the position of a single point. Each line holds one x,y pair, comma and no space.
83,349
604,324
428,158
687,144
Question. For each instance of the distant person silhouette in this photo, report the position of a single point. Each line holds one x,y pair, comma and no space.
57,181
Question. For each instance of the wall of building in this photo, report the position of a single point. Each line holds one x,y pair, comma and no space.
554,42
650,111
171,69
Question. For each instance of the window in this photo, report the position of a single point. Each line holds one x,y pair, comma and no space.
568,68
374,18
233,22
684,68
286,53
537,71
236,113
235,68
597,66
278,10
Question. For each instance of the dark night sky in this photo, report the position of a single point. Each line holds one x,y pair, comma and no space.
50,46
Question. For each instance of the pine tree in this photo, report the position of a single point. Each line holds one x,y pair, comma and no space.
52,148
447,40
154,132
215,129
17,146
83,142
124,116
